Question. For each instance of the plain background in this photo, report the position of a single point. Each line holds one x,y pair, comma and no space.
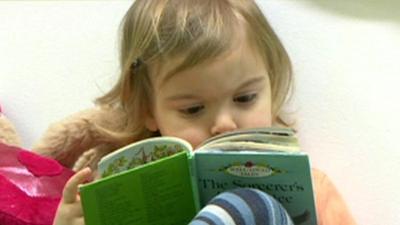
57,56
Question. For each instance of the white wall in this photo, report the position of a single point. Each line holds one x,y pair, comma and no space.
53,55
56,56
345,56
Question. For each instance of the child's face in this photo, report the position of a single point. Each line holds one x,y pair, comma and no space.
225,94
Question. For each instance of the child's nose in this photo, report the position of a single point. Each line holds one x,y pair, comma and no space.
223,123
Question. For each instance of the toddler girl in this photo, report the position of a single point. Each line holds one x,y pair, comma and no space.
194,69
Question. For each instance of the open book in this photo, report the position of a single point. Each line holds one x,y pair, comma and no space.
162,180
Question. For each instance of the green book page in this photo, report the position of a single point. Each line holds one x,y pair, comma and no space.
156,193
285,176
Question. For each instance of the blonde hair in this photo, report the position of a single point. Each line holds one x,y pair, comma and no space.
198,30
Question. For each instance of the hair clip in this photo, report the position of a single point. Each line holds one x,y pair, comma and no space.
136,64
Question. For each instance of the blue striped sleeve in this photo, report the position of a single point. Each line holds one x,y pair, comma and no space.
243,206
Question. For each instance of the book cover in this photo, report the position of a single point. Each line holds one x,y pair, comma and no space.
163,181
159,192
285,176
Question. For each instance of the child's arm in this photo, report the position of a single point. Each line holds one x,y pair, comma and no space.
69,211
331,208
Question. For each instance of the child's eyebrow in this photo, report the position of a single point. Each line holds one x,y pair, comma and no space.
253,81
180,97
188,96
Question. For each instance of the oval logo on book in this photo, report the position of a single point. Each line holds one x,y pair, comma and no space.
250,169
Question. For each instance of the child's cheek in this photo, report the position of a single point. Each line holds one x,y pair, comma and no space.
194,137
261,119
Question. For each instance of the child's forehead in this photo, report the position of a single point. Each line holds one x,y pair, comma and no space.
165,67
240,59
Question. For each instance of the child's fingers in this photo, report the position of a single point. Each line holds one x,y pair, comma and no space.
79,221
71,187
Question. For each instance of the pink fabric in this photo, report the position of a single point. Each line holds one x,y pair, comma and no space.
30,187
46,167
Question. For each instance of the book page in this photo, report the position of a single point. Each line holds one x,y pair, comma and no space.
249,146
260,139
141,153
272,131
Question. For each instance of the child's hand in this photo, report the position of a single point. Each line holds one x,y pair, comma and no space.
70,211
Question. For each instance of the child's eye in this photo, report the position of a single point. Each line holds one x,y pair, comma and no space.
191,111
245,98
